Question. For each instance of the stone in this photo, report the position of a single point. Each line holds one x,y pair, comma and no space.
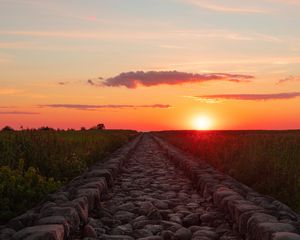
146,207
167,235
172,226
163,205
124,216
6,233
153,228
154,215
24,220
127,207
82,207
115,237
183,234
206,233
101,173
265,230
285,236
151,238
141,233
89,231
252,223
45,232
142,223
122,230
56,220
175,218
192,219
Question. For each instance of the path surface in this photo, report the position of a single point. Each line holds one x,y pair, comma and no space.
152,199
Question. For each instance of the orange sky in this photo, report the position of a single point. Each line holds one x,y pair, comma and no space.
150,65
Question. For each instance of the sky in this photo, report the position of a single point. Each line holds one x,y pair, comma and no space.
150,65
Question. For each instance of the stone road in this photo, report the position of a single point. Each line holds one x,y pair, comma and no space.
152,199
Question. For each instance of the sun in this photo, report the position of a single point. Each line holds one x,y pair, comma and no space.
202,123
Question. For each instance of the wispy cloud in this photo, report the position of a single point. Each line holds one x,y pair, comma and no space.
63,83
108,35
111,106
249,97
291,2
226,9
18,113
133,35
94,81
153,78
10,91
289,79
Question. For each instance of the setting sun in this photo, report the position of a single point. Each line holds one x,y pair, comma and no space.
202,123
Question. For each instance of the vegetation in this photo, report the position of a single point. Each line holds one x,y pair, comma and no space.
268,161
34,163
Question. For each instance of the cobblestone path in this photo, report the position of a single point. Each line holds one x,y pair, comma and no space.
152,199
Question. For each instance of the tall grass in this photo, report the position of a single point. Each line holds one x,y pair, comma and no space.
268,161
34,163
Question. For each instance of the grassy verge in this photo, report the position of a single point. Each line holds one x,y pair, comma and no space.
35,163
268,161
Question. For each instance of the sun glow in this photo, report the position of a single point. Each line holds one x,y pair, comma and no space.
202,123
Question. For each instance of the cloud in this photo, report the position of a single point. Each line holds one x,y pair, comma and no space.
248,97
226,9
63,83
91,82
18,113
10,91
292,2
153,78
94,81
288,79
131,35
113,106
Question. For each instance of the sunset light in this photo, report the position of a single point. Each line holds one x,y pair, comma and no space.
130,65
202,123
143,117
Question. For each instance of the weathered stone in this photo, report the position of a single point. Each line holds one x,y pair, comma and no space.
183,234
53,220
115,237
175,218
45,232
167,235
24,220
285,236
92,194
127,207
82,207
68,212
146,207
253,221
141,233
172,226
151,238
124,216
154,215
89,231
142,223
101,173
192,219
205,233
122,230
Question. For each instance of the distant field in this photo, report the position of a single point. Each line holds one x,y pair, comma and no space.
35,163
268,161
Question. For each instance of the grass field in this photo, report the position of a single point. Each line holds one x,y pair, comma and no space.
268,161
34,163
